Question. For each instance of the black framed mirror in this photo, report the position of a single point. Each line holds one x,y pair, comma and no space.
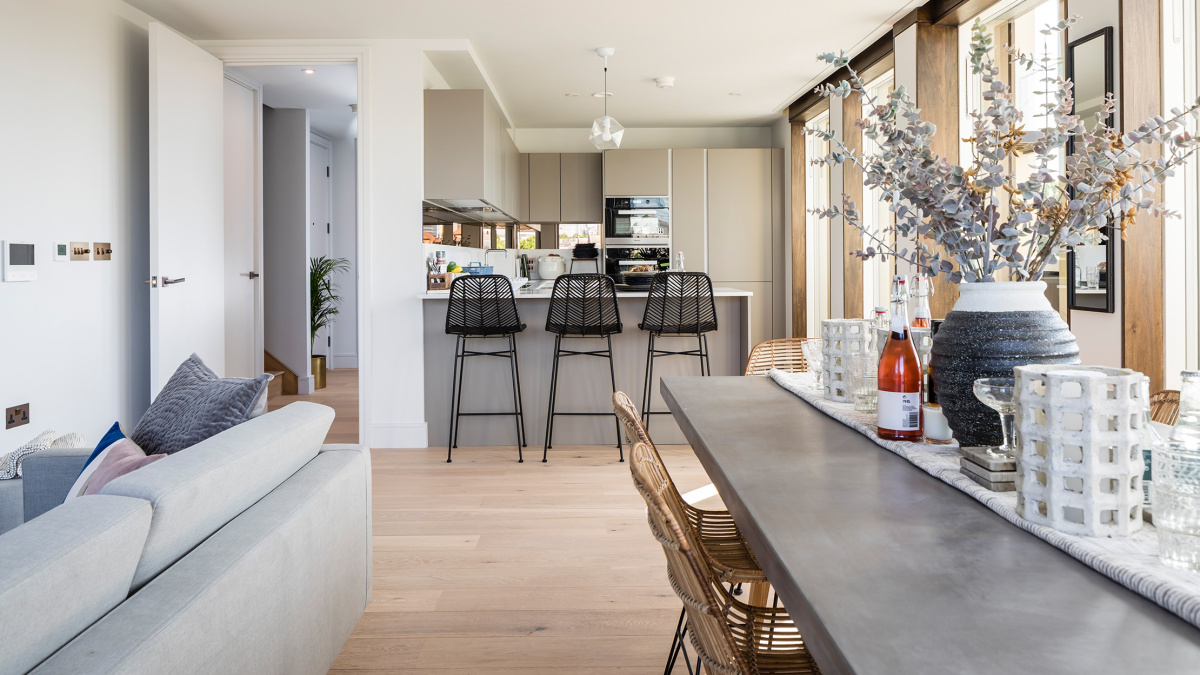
1091,283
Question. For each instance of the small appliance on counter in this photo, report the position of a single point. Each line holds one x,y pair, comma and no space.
551,266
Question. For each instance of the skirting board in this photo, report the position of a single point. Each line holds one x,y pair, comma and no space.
306,384
399,435
346,361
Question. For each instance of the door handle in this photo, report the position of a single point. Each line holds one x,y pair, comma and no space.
254,275
168,281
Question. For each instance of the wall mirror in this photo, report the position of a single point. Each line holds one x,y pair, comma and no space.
1091,285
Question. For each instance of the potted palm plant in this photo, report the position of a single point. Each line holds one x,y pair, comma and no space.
993,225
323,306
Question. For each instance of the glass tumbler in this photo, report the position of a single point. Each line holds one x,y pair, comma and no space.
814,355
864,381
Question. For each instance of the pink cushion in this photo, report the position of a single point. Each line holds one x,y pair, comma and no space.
123,457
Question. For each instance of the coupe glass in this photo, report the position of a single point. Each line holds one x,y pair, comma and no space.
997,394
813,354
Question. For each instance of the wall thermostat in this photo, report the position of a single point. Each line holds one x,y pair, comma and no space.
62,252
19,261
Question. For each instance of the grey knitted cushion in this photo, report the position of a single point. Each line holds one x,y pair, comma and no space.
194,405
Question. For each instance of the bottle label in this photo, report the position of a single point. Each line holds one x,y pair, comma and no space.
900,410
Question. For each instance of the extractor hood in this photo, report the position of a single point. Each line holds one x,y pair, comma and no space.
464,211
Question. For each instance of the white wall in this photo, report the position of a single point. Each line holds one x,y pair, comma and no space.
1098,333
285,240
576,140
76,341
345,245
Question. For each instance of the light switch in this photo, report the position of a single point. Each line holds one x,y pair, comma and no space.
80,251
102,250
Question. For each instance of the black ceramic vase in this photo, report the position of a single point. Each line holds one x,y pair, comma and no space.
993,327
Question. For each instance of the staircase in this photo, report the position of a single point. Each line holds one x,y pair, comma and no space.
275,386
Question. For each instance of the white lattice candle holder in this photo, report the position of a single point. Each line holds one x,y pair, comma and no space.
841,339
1079,461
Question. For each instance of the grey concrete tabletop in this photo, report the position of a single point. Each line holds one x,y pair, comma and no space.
888,570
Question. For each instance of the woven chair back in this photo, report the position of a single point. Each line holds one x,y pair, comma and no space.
689,575
1164,406
482,305
784,354
584,304
680,303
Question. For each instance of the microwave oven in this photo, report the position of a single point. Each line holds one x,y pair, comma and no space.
637,221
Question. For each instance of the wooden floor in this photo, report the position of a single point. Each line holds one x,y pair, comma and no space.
341,394
490,566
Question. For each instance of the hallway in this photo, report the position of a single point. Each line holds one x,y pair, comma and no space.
341,394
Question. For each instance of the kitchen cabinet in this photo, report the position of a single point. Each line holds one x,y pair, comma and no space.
544,187
469,154
637,173
688,227
762,314
740,214
522,213
581,193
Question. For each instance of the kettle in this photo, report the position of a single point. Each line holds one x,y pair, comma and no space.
551,266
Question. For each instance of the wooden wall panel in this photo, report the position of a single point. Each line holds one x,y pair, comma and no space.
1142,251
937,96
799,235
852,268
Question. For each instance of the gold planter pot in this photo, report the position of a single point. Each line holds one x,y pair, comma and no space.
318,371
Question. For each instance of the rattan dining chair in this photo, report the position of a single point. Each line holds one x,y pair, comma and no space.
1164,406
783,354
720,541
730,636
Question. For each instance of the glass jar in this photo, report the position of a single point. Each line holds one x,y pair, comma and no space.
1175,490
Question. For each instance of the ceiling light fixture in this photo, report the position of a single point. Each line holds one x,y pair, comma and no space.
307,71
664,82
606,131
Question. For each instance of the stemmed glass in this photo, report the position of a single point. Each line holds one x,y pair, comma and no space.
997,394
813,354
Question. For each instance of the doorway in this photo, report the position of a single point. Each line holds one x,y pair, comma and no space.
305,233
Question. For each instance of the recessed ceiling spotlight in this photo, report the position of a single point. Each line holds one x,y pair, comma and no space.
571,95
664,82
735,93
601,94
307,71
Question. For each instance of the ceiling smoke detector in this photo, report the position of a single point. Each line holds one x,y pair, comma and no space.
664,82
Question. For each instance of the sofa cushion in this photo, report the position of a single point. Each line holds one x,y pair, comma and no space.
196,404
12,504
123,457
63,571
195,493
49,475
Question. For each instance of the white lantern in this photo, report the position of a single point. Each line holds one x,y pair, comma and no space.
1079,459
841,339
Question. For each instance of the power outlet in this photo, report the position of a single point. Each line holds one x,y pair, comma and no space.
16,416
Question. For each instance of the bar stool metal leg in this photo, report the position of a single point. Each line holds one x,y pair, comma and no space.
516,377
612,372
455,382
553,392
520,403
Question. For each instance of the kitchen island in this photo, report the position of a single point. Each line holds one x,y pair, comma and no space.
583,384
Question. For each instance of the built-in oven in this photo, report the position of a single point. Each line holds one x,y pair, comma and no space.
619,259
637,222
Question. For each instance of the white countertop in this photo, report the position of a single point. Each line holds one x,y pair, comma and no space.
544,293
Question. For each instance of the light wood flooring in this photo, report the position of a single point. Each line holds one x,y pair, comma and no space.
490,566
341,394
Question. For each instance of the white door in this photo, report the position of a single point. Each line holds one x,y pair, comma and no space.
243,257
187,257
319,198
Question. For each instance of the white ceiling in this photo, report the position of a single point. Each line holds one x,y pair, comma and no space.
536,51
327,93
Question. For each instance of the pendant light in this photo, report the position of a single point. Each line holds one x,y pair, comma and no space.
606,131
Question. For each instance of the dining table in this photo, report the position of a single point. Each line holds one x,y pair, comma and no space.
886,569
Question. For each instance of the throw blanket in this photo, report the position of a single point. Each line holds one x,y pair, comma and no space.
1130,561
11,465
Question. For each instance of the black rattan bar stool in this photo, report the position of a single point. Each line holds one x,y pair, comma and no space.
483,307
680,304
582,306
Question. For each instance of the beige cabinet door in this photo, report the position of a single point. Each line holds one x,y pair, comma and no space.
636,173
544,187
581,187
522,213
739,215
688,198
761,308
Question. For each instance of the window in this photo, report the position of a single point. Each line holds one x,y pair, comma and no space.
1181,236
877,273
570,234
816,191
526,237
501,237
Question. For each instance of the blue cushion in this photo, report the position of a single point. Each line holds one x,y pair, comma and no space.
114,434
